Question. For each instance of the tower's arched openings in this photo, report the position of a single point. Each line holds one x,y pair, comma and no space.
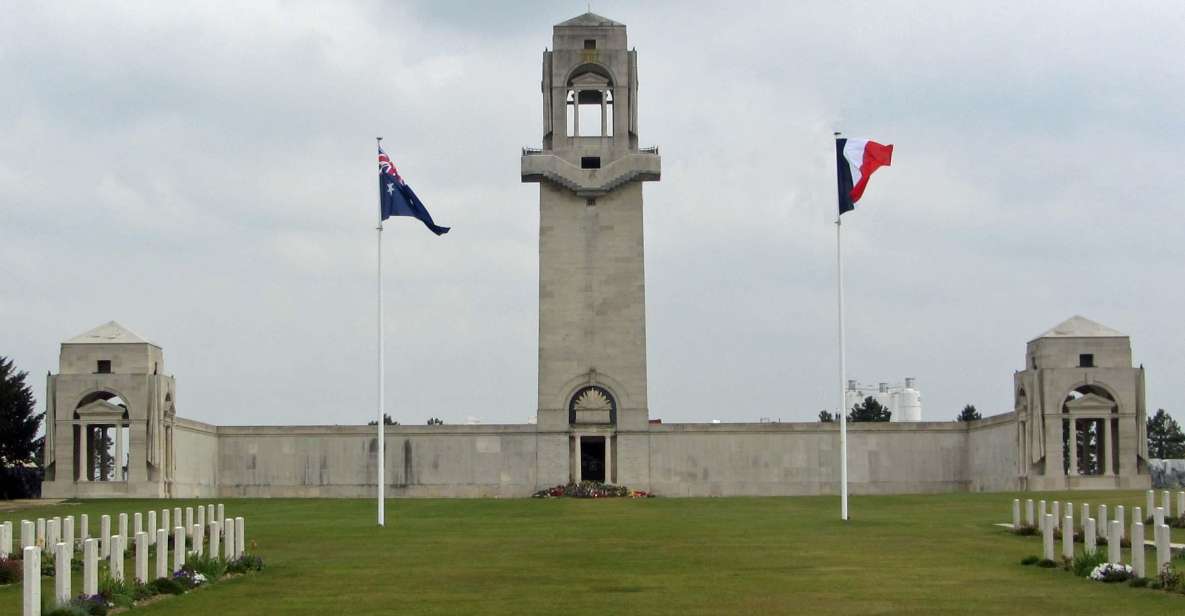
101,435
589,102
1090,430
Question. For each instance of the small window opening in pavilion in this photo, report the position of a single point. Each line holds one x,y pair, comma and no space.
590,162
590,43
1086,360
590,114
104,366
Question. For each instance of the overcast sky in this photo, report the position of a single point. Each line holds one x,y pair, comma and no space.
204,174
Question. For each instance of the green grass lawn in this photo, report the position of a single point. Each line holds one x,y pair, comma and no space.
936,554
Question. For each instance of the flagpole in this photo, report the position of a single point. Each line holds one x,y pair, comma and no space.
382,428
843,411
843,415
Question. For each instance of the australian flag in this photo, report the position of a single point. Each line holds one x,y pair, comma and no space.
396,198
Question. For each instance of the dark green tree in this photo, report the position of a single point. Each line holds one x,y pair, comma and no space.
969,414
435,421
1165,439
387,421
19,421
869,410
826,416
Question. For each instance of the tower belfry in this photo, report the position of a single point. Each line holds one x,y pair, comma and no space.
592,413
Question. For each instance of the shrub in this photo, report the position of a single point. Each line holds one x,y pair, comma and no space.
82,605
1046,563
1024,530
210,568
1138,582
1085,563
1029,560
1111,572
11,570
166,586
1169,578
245,563
66,610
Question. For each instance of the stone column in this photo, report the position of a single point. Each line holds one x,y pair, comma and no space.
83,470
120,452
178,548
213,538
1108,468
1163,552
31,592
152,527
90,567
1089,536
115,564
105,535
579,466
1138,549
608,459
604,133
228,531
1115,542
1068,537
1047,536
576,113
142,557
162,553
61,568
84,527
240,536
1073,445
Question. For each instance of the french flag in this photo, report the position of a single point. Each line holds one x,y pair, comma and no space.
855,160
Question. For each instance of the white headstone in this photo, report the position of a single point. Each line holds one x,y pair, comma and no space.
1158,516
142,557
201,517
1166,503
137,523
177,519
68,533
1056,510
1137,515
1089,536
162,553
115,566
178,548
1163,550
240,536
1016,513
1085,513
1041,515
105,535
210,514
213,532
189,521
228,531
1068,537
1138,549
84,527
221,512
51,539
1150,497
1102,521
196,534
90,567
5,539
31,592
1069,510
164,520
1181,504
123,527
40,541
1121,515
28,535
152,527
1114,542
1047,535
1029,515
61,572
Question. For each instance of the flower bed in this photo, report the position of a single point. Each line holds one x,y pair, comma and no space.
591,489
1111,572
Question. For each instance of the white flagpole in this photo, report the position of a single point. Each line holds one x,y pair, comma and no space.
382,428
843,415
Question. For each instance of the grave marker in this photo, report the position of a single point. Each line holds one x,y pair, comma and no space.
1121,515
123,527
1016,513
1068,537
228,531
105,535
1041,515
1102,521
1047,535
1089,536
195,533
5,539
1138,548
142,557
28,535
178,548
1150,497
240,536
68,532
1166,503
213,527
61,570
189,521
1158,516
84,527
137,523
1114,543
115,563
90,567
162,553
1029,521
32,586
1085,513
1163,550
152,527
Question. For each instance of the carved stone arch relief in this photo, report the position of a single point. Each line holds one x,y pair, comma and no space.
592,404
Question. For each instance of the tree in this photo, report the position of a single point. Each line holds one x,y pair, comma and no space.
969,414
435,421
387,421
19,421
826,417
1165,439
869,410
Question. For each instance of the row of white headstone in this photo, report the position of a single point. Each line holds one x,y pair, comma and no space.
45,533
1110,529
226,539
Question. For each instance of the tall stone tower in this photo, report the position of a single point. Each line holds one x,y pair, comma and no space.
1081,421
110,418
592,414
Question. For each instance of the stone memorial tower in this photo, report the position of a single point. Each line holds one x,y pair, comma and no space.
1081,421
109,418
592,414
